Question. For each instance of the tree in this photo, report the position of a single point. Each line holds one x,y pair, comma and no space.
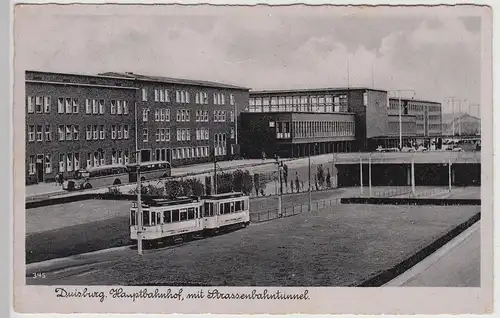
247,183
173,189
256,183
320,177
196,187
208,185
224,182
328,179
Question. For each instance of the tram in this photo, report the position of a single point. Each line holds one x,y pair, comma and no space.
186,218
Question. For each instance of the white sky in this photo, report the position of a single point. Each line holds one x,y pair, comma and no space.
437,55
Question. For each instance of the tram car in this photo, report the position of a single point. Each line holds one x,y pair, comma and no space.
175,221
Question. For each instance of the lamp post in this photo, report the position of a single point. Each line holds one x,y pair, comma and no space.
310,197
370,174
361,175
139,203
280,166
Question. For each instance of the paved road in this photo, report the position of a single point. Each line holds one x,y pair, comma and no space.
457,264
261,166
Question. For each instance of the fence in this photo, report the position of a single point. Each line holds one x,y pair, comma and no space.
272,214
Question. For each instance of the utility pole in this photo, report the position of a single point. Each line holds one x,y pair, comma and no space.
139,205
279,185
413,176
310,197
449,174
370,174
399,91
361,174
215,174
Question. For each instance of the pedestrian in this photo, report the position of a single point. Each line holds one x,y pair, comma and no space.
56,179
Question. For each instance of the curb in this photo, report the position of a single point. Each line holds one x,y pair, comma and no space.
391,273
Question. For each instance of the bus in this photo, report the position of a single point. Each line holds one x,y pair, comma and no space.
150,170
96,177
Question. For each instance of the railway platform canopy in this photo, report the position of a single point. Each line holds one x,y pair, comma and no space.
436,157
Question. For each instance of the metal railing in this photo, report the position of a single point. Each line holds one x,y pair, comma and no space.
272,214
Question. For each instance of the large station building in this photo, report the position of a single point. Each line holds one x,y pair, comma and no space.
294,123
76,121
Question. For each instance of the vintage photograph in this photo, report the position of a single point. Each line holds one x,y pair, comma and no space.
284,147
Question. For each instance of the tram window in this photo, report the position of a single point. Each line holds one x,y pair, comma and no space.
145,218
243,205
221,209
166,217
237,206
175,215
190,215
158,217
132,218
212,208
153,218
227,207
183,215
197,214
232,207
206,210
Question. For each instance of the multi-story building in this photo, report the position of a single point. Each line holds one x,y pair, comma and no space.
186,121
296,122
425,116
75,121
290,122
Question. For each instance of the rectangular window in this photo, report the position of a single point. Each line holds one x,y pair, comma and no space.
162,114
125,131
31,165
113,107
30,102
88,132
76,158
125,107
75,106
46,104
39,133
31,133
48,135
125,157
232,116
231,99
162,95
101,106
157,134
156,95
144,95
145,114
120,131
61,132
95,106
113,131
101,132
232,133
88,108
76,132
119,106
60,105
157,115
162,134
145,135
95,133
69,162
48,163
62,161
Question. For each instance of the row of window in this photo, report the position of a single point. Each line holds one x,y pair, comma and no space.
224,208
220,144
191,152
42,104
298,109
183,97
307,129
300,100
405,126
72,132
184,115
410,106
71,161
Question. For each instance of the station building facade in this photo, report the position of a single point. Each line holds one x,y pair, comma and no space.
296,122
186,121
76,121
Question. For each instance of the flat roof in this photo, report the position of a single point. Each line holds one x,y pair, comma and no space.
415,100
313,90
171,80
296,112
78,75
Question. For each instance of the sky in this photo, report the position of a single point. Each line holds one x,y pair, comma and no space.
436,55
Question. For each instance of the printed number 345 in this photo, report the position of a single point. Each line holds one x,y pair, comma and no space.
38,275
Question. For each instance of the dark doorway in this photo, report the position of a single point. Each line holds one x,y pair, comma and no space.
39,168
145,155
